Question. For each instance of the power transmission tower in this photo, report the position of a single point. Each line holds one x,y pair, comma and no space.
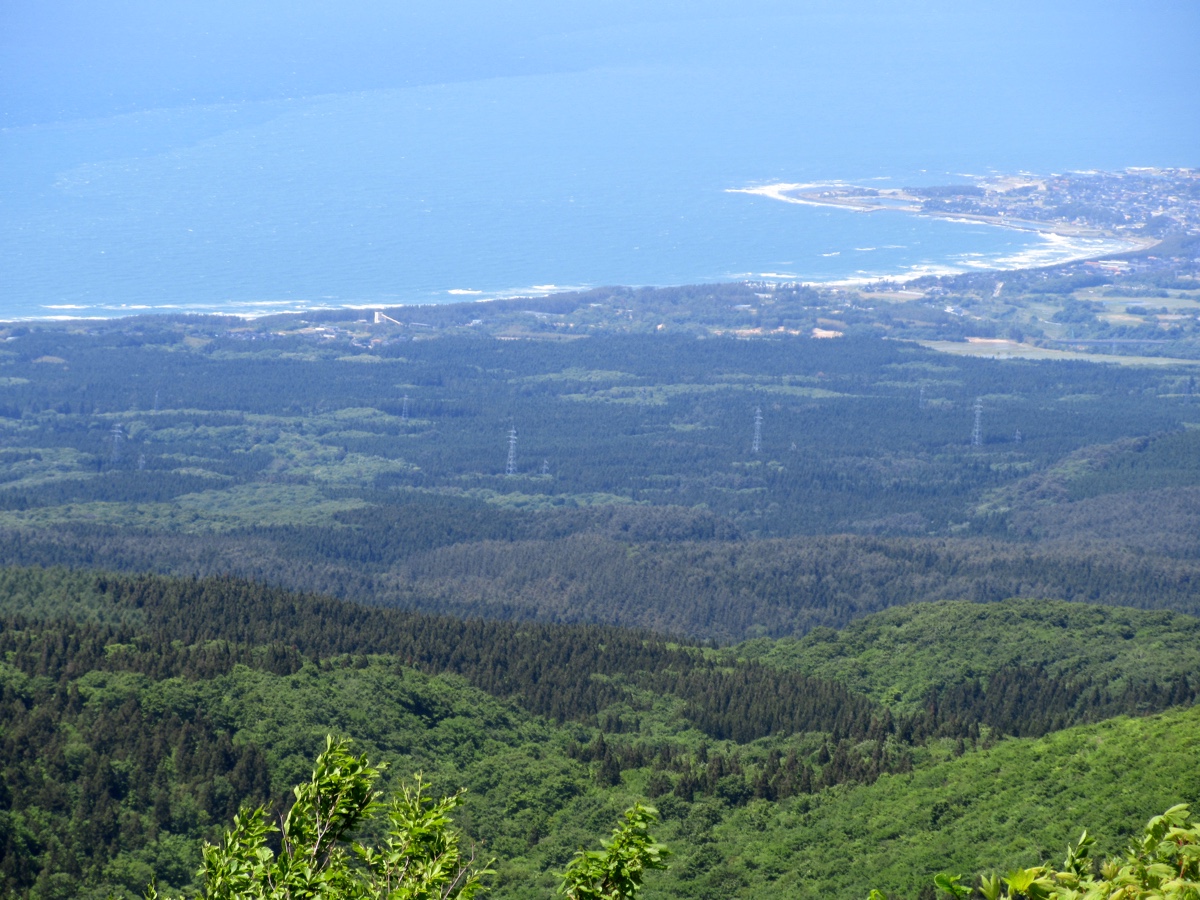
118,435
921,398
977,431
1017,438
757,431
545,466
511,468
404,411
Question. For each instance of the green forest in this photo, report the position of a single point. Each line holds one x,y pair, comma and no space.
140,712
637,496
815,601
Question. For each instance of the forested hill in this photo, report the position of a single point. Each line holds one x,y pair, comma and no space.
137,712
616,566
347,536
551,669
376,469
899,655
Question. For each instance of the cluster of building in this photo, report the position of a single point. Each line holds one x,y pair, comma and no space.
1155,202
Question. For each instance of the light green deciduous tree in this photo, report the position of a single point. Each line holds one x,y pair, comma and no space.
1163,865
616,872
419,858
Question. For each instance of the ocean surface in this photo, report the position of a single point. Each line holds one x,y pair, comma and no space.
543,150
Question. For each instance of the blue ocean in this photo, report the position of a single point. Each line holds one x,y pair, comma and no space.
260,157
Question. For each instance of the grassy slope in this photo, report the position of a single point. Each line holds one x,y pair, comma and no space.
897,655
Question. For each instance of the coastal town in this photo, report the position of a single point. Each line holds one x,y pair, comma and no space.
1142,205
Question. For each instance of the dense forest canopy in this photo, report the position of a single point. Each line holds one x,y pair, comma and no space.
800,594
637,496
138,713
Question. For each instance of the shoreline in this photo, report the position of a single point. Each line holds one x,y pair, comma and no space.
1063,244
802,194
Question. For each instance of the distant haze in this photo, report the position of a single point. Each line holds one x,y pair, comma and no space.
220,155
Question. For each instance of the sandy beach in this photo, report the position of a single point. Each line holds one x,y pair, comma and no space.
1063,242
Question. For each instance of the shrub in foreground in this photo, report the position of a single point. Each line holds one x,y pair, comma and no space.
419,858
1163,865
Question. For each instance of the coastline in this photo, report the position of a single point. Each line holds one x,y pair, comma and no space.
1056,243
1068,237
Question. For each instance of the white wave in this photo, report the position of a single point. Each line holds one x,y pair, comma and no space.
54,318
536,290
463,291
920,270
959,221
1051,250
1056,249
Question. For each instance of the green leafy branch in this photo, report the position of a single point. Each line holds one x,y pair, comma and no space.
1163,865
616,872
419,858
